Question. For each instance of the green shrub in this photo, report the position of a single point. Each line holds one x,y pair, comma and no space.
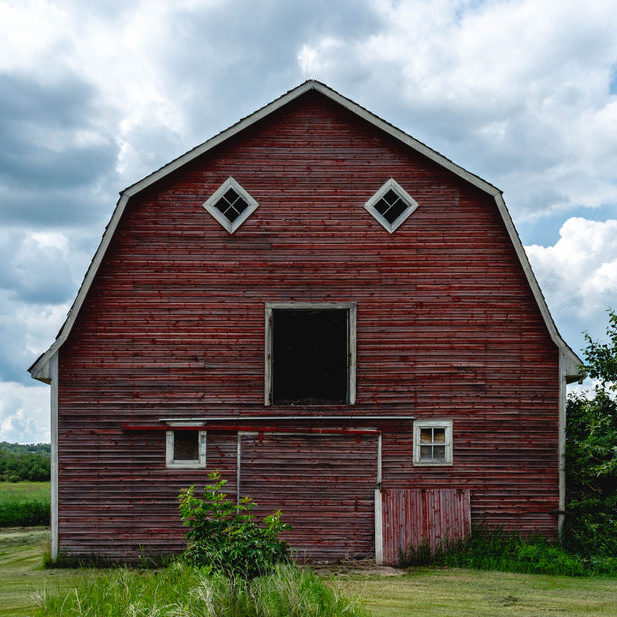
19,463
24,513
182,591
226,538
24,504
591,454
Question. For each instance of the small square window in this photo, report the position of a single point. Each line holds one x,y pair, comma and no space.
391,205
186,448
432,442
230,205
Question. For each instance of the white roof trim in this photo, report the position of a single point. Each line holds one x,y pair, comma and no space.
572,359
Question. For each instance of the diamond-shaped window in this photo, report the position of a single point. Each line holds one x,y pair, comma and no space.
230,205
391,205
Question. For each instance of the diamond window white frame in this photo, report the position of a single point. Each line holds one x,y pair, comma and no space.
389,200
196,463
223,201
430,439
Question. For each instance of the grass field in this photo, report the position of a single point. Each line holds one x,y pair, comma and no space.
24,503
28,490
21,570
469,593
418,593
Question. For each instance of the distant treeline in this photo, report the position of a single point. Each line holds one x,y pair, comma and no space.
20,462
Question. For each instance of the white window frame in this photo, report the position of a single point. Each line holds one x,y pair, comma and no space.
393,185
449,446
209,205
199,463
351,309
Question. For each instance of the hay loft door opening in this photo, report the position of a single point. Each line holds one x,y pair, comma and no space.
310,354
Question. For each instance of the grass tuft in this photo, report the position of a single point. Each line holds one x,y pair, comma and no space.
182,591
509,552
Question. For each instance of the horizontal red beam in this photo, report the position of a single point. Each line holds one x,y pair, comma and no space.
251,429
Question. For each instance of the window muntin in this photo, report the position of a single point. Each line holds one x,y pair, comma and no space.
310,354
391,205
231,205
186,448
432,442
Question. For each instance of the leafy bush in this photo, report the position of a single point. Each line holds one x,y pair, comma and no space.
591,454
24,513
24,504
19,467
226,538
184,591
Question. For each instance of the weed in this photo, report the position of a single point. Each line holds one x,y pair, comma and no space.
180,590
509,552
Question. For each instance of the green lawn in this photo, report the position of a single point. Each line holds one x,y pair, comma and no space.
469,593
29,490
21,570
420,593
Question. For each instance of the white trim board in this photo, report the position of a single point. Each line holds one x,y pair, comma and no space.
572,362
53,376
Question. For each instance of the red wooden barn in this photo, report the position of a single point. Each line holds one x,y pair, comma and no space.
338,318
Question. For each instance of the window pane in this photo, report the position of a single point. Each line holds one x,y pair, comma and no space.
231,196
395,211
186,445
390,197
426,435
439,435
439,454
426,453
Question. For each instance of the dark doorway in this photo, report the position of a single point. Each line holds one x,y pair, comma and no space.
309,356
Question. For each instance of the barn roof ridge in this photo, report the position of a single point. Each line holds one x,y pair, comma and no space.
40,369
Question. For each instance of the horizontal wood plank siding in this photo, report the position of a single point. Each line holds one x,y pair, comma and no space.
324,484
173,326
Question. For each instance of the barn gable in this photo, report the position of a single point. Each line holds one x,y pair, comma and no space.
40,369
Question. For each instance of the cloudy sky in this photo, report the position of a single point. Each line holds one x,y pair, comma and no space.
95,95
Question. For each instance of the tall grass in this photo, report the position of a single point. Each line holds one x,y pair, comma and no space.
181,591
509,552
24,504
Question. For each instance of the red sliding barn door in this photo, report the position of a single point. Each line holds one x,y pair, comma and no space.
324,484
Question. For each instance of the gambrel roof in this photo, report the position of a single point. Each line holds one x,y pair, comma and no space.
570,362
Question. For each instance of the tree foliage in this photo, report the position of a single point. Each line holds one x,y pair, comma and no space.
20,462
591,453
224,536
601,358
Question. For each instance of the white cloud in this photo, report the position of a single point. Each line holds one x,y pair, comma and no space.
99,94
316,59
516,91
578,275
24,413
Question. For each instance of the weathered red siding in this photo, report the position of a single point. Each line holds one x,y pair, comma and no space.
423,517
173,326
324,484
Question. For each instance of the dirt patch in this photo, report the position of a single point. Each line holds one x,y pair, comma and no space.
356,567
